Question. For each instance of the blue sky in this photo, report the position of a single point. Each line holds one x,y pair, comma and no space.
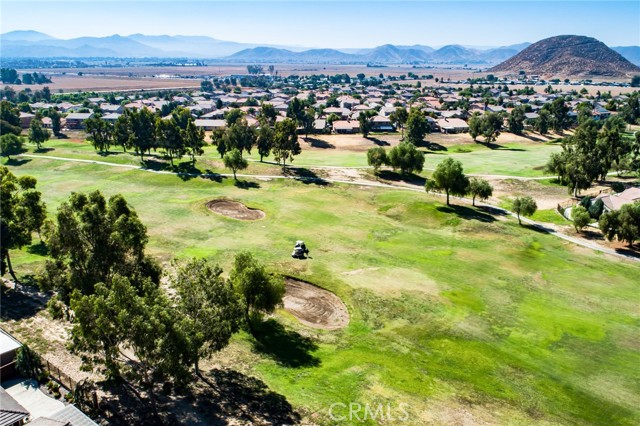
335,24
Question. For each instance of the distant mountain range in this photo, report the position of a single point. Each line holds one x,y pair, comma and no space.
25,44
569,55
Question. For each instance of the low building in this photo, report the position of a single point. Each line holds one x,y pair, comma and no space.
11,412
381,124
25,119
210,124
111,118
346,127
8,347
615,201
452,125
76,120
109,108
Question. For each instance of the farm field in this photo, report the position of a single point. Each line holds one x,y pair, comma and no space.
463,316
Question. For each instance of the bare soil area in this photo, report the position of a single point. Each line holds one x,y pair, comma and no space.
314,306
235,210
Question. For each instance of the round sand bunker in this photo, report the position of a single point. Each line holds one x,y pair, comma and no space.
314,306
234,209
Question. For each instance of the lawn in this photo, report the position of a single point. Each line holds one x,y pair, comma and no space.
509,159
455,313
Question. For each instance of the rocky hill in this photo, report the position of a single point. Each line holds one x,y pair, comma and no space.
569,55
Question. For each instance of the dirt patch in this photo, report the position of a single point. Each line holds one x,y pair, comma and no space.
234,209
314,306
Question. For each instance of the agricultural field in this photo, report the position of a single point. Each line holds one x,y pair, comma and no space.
457,315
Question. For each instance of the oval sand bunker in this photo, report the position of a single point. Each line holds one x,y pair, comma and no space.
314,306
234,209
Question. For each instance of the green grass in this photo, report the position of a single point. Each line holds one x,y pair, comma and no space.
452,312
511,159
550,216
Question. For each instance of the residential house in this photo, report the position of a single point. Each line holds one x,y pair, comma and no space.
76,120
346,127
25,119
452,125
615,201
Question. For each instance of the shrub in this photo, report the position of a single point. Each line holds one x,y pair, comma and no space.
596,209
581,217
585,202
617,187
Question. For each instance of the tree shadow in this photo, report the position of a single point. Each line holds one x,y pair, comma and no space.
306,176
111,153
39,249
399,177
18,304
536,227
628,251
289,348
155,165
16,162
495,146
532,137
467,213
246,184
187,171
319,143
377,141
212,176
493,211
43,150
234,395
433,146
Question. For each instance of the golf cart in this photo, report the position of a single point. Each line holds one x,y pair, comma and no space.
300,250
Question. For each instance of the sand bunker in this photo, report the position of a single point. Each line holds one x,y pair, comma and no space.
314,306
234,209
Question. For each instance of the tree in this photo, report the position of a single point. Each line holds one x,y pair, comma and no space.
92,240
193,139
406,157
308,121
240,136
259,291
10,144
417,126
516,120
170,139
399,118
623,224
630,111
141,319
475,125
210,305
56,119
122,131
376,157
581,217
365,123
233,160
9,119
206,86
142,131
285,142
37,133
525,206
28,362
295,110
22,213
635,81
268,113
542,123
491,126
479,188
559,114
448,177
100,133
264,138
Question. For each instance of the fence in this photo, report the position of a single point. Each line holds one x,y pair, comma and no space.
67,382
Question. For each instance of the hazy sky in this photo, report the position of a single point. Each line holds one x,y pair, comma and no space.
333,23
